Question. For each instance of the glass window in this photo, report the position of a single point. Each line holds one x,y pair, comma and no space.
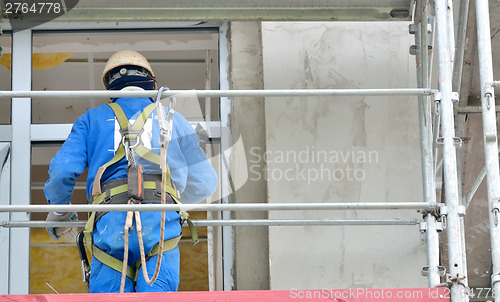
46,255
75,61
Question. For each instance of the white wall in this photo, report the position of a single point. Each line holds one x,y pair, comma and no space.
380,133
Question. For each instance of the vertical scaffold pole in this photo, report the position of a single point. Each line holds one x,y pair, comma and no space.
490,135
425,122
456,84
455,243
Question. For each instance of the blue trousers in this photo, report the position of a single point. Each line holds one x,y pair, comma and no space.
109,237
104,279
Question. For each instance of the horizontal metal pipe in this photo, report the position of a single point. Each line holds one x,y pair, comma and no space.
158,61
474,109
232,222
58,244
216,93
41,185
494,84
219,207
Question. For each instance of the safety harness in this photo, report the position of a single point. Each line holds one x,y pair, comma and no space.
137,188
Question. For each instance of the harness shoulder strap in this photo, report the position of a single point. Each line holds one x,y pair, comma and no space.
121,117
96,188
143,117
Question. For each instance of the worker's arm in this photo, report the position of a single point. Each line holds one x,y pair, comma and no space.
68,164
201,177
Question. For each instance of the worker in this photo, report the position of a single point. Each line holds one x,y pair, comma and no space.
94,141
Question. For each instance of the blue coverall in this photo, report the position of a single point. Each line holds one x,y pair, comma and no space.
92,143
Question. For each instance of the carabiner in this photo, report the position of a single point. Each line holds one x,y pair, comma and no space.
165,123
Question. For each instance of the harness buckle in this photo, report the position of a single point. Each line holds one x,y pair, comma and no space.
129,132
157,191
106,200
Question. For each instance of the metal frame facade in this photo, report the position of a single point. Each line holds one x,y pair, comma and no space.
20,161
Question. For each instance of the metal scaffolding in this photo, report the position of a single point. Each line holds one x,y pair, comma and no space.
490,134
219,93
438,129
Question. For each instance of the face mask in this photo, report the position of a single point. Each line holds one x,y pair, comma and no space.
143,82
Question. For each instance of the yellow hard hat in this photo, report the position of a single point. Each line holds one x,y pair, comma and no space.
124,58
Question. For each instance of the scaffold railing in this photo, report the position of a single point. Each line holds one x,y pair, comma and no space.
221,207
231,207
235,222
218,93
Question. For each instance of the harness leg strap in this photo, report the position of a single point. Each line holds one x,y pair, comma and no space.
117,264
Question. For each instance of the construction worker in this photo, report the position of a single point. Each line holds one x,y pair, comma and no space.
94,141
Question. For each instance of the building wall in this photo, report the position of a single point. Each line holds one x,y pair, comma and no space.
341,149
249,128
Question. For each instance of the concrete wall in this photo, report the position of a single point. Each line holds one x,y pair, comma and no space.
248,124
341,149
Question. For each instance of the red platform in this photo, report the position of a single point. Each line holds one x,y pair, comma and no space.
339,295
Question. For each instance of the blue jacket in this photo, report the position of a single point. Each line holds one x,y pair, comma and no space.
94,139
